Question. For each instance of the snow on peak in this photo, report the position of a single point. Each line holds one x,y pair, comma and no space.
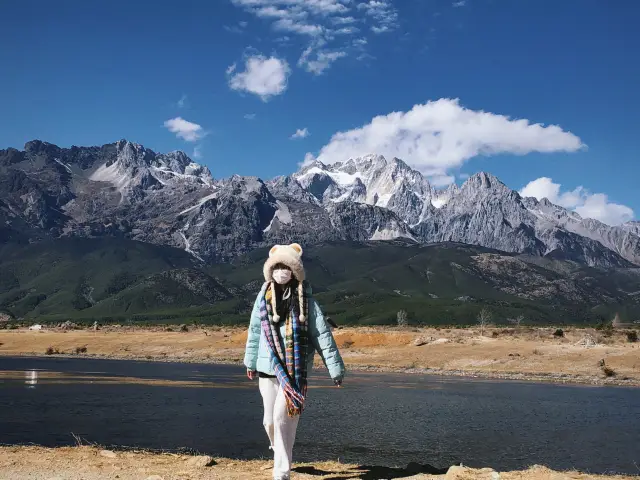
439,202
370,179
137,166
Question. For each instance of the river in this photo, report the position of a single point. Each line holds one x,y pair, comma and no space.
376,418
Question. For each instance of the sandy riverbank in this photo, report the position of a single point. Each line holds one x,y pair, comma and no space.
92,463
527,353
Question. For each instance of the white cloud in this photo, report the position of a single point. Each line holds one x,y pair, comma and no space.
182,102
460,3
329,24
365,56
309,158
317,61
381,29
598,206
249,116
586,204
343,20
440,135
346,31
300,133
439,181
293,26
236,28
188,131
288,16
197,152
318,7
544,187
262,76
383,14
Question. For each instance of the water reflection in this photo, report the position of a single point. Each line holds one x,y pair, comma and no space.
31,378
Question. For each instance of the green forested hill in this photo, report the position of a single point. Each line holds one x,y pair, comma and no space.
120,280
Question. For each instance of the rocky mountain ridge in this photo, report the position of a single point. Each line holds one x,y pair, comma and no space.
125,190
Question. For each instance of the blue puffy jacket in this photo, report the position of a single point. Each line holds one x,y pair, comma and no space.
258,358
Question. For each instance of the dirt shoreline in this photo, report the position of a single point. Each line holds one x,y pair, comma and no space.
93,463
508,354
561,379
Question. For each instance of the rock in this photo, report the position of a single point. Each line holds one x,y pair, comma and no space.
184,328
514,354
418,342
154,477
68,325
441,340
201,461
465,473
108,454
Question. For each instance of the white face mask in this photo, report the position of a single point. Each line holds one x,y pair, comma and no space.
282,276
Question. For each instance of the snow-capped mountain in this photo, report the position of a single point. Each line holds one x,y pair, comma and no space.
123,189
483,211
374,181
137,169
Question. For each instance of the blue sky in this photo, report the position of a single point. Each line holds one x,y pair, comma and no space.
234,80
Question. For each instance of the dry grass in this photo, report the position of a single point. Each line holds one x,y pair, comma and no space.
454,351
88,463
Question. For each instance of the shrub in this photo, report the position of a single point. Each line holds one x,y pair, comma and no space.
51,351
632,336
184,328
608,372
558,333
537,352
347,344
606,328
81,350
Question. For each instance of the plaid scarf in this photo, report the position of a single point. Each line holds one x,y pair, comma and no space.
290,366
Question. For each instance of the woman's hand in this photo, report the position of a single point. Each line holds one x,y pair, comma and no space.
251,374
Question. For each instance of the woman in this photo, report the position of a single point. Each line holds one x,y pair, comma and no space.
286,327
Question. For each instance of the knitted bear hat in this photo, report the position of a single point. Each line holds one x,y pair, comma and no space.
291,256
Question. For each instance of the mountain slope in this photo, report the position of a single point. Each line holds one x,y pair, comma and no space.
98,277
112,279
125,190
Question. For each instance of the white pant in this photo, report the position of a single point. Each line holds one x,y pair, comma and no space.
280,427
